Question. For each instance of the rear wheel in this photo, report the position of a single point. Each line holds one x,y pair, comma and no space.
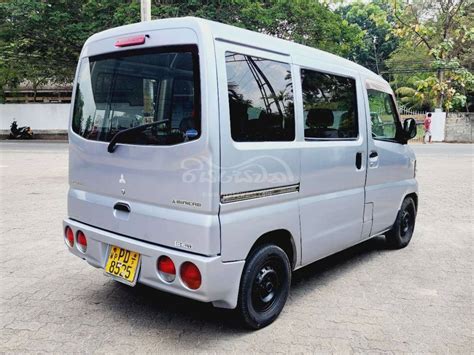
264,286
402,230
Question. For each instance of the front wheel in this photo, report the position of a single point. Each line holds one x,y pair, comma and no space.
402,230
264,286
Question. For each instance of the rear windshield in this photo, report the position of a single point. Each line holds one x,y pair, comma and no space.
128,89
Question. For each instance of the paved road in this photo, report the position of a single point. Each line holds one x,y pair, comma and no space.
365,299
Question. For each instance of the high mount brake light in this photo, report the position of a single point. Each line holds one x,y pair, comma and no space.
130,41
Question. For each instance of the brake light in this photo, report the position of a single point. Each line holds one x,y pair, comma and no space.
166,268
81,241
69,236
191,275
130,41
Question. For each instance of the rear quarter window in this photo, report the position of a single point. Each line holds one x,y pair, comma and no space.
260,95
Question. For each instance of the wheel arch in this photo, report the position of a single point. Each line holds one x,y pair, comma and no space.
414,196
281,238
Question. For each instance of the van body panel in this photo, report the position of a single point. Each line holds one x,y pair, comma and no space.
156,38
387,199
159,225
242,223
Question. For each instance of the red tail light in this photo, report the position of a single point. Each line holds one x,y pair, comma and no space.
166,268
81,241
69,235
130,41
191,275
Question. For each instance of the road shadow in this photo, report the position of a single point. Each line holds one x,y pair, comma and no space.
149,308
336,265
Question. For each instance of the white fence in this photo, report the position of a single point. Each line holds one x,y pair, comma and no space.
40,117
408,111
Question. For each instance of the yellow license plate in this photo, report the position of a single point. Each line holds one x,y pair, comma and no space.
122,264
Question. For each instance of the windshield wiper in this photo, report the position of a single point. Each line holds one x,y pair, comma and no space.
126,132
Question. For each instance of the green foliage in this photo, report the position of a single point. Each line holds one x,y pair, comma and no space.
303,21
420,96
379,41
445,30
40,41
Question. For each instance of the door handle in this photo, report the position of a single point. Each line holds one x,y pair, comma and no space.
373,159
121,206
359,160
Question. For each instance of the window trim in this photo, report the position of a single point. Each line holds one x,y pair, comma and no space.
312,139
244,53
342,75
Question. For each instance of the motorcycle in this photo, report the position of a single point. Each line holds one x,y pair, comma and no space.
20,132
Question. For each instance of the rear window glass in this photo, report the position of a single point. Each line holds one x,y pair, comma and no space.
128,89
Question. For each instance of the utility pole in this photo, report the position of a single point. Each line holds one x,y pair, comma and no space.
375,54
145,10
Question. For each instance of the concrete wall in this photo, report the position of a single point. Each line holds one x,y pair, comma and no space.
40,117
53,119
459,127
438,124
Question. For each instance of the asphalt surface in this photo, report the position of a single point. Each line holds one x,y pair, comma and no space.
365,299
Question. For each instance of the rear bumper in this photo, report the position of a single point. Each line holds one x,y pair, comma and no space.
220,280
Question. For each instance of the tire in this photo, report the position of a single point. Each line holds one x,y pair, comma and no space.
264,286
402,230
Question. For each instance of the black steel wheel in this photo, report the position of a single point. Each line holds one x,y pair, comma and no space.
264,286
402,230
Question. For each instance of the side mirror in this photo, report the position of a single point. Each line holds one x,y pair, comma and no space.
409,128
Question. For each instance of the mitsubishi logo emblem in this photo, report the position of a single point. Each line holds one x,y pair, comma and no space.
122,181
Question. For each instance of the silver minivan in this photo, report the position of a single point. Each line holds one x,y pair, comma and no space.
210,162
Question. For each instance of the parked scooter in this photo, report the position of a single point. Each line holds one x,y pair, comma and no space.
20,132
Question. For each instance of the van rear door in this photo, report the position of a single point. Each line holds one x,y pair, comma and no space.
144,187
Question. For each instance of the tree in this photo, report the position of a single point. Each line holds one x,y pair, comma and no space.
304,21
445,29
376,20
40,41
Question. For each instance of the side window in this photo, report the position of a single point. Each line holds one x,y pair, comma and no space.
330,106
383,115
260,99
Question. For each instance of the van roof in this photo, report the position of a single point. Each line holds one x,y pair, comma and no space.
238,35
